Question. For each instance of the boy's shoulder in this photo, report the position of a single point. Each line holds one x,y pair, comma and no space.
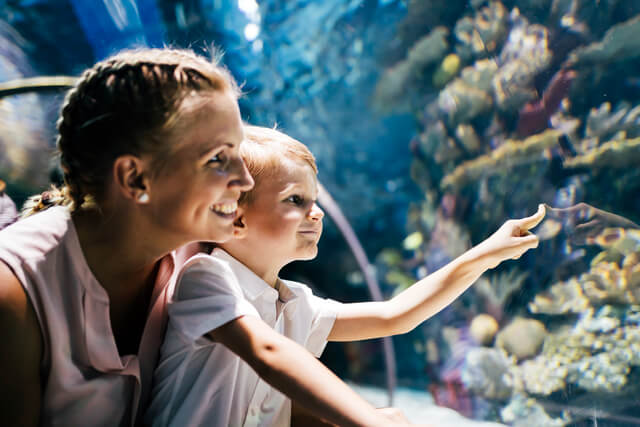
299,290
306,293
296,287
203,275
205,263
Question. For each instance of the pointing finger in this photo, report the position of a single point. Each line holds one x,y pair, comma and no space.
533,220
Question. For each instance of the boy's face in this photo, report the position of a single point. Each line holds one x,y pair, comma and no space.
283,221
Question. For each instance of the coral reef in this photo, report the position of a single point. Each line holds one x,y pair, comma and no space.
597,353
524,55
510,338
523,411
480,75
621,42
500,160
517,111
625,241
460,102
620,153
468,138
562,298
536,377
447,70
606,281
481,35
486,373
469,95
426,52
603,124
483,329
496,289
534,117
437,144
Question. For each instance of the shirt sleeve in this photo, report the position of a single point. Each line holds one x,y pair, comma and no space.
207,296
325,312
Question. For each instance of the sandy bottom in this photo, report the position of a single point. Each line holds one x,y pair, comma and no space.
418,407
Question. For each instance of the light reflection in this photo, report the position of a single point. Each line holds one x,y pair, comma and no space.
248,6
181,19
251,31
118,12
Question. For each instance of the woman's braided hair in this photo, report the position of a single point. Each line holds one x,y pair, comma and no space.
126,104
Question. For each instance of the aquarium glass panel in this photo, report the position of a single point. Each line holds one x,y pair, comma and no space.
432,124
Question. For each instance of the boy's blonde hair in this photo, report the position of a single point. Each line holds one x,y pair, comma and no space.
263,151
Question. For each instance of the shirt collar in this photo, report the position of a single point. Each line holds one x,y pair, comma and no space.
252,285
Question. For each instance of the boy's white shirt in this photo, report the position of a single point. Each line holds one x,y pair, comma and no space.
200,382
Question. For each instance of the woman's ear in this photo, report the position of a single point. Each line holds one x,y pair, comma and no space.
131,179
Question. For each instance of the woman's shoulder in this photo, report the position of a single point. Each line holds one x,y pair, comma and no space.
22,346
35,236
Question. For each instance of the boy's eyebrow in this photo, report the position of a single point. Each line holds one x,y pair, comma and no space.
291,186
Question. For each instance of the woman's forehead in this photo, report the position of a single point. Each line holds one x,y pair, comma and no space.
208,124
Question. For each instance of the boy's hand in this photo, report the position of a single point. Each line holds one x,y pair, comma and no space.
396,417
393,414
511,240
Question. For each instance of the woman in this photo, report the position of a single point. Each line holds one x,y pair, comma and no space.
149,147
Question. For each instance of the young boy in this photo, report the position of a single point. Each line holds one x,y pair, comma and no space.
202,379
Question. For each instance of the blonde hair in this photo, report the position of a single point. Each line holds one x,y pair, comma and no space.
130,103
264,150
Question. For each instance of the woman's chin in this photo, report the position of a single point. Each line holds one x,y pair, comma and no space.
221,235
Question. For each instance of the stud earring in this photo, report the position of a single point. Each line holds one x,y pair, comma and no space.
143,198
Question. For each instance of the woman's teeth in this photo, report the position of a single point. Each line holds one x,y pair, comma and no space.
225,208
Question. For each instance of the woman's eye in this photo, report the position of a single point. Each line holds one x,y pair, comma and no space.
215,159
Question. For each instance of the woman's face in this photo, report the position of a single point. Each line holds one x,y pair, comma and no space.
195,197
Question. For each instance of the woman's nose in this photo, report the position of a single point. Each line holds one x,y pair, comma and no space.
243,179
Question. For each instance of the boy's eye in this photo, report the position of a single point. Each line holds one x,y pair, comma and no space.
296,200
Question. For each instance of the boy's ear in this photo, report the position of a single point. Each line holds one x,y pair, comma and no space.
239,226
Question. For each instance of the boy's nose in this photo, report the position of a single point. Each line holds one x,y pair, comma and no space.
315,213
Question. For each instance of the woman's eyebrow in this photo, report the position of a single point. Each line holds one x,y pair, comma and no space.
215,146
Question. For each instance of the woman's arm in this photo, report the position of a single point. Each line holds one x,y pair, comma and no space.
294,371
430,295
21,354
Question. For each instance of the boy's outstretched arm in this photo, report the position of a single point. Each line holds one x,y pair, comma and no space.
294,371
430,295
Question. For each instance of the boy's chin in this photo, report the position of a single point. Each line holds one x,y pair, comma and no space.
309,254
